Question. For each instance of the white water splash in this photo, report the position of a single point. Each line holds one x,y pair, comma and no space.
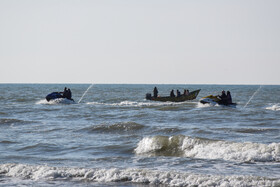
252,96
55,101
275,107
85,93
200,105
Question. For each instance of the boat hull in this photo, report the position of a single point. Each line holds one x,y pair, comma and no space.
182,98
53,95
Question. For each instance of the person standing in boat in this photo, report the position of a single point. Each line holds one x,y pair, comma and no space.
155,92
172,93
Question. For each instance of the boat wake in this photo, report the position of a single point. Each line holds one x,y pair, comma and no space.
205,105
200,105
137,104
55,101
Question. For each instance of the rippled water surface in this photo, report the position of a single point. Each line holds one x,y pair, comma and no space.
114,137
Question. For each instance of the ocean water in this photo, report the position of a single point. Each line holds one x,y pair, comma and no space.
114,137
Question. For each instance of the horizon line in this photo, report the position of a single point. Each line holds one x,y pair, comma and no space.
266,84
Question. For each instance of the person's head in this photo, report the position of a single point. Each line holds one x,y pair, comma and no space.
228,92
223,92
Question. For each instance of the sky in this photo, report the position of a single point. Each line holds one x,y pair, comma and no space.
140,42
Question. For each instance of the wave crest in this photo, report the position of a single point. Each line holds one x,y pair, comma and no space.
209,149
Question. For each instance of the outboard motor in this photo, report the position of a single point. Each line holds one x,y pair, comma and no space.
148,96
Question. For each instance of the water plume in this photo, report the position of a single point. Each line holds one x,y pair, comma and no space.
252,96
85,93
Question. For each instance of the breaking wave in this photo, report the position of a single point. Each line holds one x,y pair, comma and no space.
199,148
140,176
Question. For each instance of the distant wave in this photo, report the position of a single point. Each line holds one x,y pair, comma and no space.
117,127
6,121
45,147
141,176
275,107
209,149
10,121
7,142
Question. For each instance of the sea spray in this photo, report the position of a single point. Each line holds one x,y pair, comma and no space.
85,93
252,96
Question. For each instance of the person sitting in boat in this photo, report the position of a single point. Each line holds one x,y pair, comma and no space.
64,93
172,93
229,99
67,93
178,93
155,92
223,98
186,92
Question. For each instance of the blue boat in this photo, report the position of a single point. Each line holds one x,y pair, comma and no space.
54,95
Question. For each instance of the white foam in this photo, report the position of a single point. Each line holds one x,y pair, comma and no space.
200,105
134,104
55,101
156,177
207,149
231,150
147,145
274,107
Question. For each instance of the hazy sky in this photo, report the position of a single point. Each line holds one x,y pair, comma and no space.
144,41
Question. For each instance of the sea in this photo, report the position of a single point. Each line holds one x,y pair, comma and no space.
112,136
